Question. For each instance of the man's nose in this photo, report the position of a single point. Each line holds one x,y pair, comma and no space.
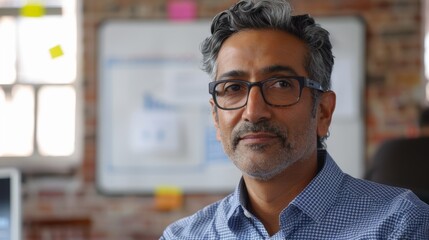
256,108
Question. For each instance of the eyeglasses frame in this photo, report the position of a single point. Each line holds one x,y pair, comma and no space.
303,82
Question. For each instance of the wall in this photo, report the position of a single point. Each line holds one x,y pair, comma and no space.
393,93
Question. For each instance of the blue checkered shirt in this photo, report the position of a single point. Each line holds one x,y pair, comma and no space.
333,206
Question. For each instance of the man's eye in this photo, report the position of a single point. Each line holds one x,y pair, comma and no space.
282,83
233,87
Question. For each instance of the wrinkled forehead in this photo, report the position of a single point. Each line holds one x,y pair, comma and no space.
261,52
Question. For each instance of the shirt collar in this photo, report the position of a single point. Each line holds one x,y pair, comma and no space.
315,200
321,193
238,203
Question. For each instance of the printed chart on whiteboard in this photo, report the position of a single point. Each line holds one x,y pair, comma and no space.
155,121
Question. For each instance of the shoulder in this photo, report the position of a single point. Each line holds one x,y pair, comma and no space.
202,224
379,193
396,209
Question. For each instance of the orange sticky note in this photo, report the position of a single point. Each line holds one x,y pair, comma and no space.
56,51
168,198
33,9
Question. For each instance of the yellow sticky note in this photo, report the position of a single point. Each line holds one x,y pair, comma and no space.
33,9
56,51
168,198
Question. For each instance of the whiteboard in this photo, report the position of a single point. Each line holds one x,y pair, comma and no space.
346,143
153,131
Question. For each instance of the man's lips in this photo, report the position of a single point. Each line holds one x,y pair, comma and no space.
260,137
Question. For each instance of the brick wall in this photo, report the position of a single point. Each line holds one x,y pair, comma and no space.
392,96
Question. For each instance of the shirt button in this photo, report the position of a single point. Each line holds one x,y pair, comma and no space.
247,214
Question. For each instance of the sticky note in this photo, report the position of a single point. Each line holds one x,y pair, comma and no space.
33,9
181,10
168,198
56,51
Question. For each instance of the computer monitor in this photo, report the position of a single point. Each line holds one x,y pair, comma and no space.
10,204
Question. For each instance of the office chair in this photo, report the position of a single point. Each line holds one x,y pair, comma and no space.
404,163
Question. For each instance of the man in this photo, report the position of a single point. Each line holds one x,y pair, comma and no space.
272,107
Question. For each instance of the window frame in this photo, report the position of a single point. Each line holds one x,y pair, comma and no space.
37,162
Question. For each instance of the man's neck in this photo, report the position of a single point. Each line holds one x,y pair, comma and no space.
268,198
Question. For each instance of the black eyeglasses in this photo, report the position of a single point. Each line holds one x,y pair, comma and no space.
278,92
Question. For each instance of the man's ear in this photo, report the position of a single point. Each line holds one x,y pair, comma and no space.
215,118
325,111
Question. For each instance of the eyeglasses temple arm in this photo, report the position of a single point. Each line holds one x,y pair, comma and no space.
313,84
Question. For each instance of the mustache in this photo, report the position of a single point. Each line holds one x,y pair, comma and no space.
264,126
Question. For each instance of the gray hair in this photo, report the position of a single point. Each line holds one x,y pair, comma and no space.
272,14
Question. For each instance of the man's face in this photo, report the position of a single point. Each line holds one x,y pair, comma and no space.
260,139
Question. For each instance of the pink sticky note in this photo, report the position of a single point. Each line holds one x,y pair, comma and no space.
181,10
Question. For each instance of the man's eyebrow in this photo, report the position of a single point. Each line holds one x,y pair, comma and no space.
233,73
266,70
278,68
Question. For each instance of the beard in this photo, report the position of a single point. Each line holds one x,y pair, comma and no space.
265,161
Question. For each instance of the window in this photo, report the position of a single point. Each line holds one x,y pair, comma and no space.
40,109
